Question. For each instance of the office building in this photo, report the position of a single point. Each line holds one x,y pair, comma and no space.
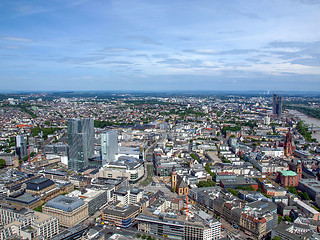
69,210
292,231
120,216
200,226
21,146
109,146
95,198
277,105
129,167
128,196
80,142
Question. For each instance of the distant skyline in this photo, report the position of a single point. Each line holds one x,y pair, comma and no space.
159,45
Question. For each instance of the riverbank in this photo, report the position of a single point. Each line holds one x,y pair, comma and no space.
310,121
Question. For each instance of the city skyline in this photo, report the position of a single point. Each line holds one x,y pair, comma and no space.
160,45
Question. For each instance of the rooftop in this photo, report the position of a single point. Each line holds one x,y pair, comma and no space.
288,173
121,211
65,203
38,184
25,198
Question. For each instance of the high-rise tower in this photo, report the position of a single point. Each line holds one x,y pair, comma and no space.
80,142
21,146
277,105
109,146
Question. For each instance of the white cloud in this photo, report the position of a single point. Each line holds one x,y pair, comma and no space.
17,39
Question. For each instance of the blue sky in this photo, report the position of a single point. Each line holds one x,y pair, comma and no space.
160,45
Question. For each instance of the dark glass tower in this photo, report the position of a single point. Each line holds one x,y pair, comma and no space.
80,142
277,105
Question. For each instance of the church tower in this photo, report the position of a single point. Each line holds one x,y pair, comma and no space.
174,179
288,144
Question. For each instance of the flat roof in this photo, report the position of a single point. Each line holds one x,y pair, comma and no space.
121,211
26,198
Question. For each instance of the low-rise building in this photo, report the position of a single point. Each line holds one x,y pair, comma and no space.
312,187
131,168
95,198
238,181
39,185
121,216
128,196
288,231
199,225
69,210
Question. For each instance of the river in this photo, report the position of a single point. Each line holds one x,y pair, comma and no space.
308,120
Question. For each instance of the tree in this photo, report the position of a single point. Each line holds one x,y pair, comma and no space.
39,208
32,154
138,235
144,236
2,163
292,189
206,184
287,218
276,238
304,195
280,219
234,192
249,188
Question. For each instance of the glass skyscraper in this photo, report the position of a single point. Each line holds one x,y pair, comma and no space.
277,105
109,146
21,146
80,142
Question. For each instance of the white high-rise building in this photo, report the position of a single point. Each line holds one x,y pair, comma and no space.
109,146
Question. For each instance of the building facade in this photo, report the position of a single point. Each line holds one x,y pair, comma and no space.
69,210
277,105
109,146
26,222
129,167
121,216
21,146
80,142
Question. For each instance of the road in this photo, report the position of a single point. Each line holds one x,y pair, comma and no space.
146,163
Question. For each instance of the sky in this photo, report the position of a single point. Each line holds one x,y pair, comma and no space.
60,45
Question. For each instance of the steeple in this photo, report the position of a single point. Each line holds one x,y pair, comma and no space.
173,179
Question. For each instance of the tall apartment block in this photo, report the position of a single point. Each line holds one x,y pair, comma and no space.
80,142
277,105
109,146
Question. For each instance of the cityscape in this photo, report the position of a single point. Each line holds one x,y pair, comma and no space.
157,120
159,166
